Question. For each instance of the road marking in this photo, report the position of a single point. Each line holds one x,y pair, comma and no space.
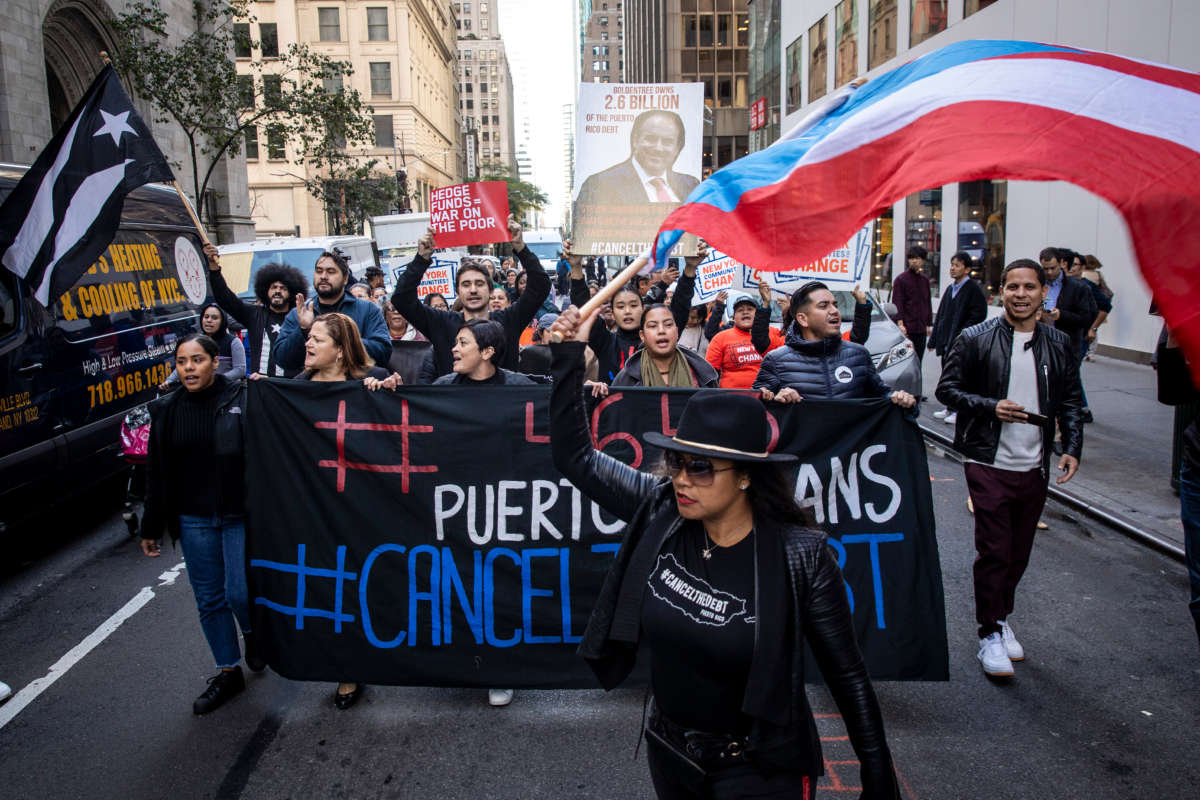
73,656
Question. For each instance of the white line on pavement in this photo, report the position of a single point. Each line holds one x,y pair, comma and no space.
17,704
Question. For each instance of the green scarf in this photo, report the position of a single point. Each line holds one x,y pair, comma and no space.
680,373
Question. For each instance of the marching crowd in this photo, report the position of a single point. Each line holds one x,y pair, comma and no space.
729,716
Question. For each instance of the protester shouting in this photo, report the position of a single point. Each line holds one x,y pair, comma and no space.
231,355
729,716
662,362
738,350
1010,379
276,286
816,362
334,352
474,286
330,275
613,348
195,491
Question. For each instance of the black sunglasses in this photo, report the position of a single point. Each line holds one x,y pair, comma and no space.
700,470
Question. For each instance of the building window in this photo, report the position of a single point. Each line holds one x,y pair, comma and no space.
241,39
383,131
329,25
981,212
483,24
818,60
466,24
272,90
923,222
467,55
927,18
269,34
466,8
845,28
495,119
251,134
377,25
245,84
971,6
275,146
381,78
881,251
881,41
483,8
470,104
332,85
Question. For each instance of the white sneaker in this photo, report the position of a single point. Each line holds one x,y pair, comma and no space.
993,657
501,697
1011,645
5,691
941,414
951,418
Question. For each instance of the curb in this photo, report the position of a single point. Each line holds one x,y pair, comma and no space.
1100,514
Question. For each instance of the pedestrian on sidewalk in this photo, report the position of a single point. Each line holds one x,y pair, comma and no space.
1010,379
195,490
1176,388
729,717
911,294
1069,305
962,305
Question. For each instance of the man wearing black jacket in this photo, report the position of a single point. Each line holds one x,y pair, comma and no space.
276,286
1069,305
962,306
998,376
474,290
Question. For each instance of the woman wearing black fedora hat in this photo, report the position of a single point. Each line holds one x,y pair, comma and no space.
722,577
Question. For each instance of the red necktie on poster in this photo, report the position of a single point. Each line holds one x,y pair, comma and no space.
660,187
470,213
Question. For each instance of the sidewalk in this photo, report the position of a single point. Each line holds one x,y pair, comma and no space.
1126,460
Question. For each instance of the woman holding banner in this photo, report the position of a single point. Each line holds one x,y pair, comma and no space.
334,352
725,578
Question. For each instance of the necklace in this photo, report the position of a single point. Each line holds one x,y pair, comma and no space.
706,552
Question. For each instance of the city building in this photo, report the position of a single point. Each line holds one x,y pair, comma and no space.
602,50
706,41
485,84
49,55
404,58
764,73
829,43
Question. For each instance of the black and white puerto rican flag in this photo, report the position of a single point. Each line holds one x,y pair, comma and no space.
66,208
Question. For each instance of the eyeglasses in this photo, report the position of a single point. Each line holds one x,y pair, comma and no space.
700,470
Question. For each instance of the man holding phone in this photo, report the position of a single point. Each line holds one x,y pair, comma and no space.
1010,379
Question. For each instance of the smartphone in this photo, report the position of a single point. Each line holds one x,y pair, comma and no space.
1036,419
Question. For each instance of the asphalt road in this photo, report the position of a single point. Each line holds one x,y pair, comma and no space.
1107,705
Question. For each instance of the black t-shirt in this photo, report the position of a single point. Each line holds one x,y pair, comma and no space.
698,620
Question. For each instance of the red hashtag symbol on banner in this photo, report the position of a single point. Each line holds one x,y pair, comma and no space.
404,429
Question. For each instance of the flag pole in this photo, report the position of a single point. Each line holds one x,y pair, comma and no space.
608,290
191,213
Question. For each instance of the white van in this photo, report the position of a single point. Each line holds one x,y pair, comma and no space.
241,260
546,244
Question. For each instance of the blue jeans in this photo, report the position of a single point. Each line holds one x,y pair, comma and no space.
1189,513
215,551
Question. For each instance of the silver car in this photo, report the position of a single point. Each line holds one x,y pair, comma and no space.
890,349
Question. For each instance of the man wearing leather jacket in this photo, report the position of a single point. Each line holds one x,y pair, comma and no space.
1010,379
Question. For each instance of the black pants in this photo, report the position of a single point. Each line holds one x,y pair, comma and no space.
918,339
741,781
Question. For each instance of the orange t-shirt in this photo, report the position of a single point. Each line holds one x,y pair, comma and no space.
731,353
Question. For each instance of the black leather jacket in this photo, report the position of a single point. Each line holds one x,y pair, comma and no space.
799,597
975,378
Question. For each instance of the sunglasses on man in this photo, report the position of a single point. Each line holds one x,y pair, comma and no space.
700,470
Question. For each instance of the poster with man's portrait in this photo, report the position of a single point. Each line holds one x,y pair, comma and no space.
638,155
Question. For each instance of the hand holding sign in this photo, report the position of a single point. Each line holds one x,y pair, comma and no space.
691,262
214,257
470,213
425,245
764,291
514,231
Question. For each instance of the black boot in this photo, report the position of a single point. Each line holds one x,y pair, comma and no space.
221,687
254,659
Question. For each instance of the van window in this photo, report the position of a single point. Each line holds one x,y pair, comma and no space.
239,269
546,251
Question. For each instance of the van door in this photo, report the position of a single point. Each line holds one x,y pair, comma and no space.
27,424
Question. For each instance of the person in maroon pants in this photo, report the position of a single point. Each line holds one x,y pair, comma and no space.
1010,379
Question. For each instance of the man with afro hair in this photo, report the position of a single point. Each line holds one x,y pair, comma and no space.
276,287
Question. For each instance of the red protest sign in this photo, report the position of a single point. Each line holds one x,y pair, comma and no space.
470,213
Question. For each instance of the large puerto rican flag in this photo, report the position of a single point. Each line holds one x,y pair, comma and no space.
1124,129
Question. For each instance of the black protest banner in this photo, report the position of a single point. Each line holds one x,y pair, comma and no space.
423,537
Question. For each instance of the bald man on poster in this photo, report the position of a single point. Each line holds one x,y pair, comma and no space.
655,141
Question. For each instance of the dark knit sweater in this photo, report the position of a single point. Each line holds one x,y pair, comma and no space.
192,461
